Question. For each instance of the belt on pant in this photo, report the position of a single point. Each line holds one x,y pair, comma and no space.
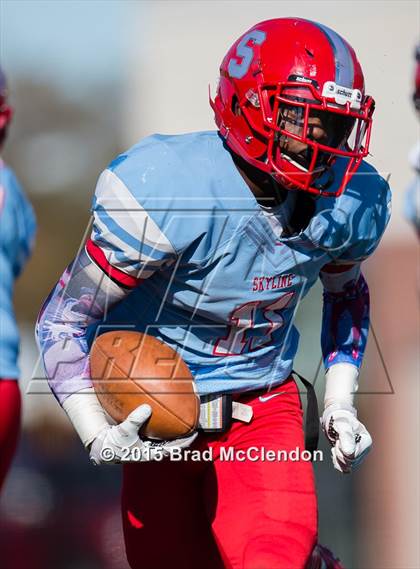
218,411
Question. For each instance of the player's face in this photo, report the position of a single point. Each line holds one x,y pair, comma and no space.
323,127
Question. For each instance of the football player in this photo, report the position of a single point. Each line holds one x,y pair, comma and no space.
412,196
209,241
17,229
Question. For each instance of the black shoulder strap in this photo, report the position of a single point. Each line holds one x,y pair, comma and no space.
312,415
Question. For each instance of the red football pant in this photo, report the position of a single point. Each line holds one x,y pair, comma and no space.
227,514
10,406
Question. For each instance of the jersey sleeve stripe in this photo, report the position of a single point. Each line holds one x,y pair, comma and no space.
114,227
113,196
98,256
147,268
119,250
116,235
129,239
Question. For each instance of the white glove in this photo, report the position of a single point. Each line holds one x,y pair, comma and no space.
348,437
122,443
118,443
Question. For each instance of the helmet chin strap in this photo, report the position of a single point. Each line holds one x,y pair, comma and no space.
322,186
279,190
262,184
296,216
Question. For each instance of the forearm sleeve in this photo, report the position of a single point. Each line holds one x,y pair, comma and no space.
345,321
81,297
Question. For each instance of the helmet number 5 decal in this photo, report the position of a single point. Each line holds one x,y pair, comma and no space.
245,53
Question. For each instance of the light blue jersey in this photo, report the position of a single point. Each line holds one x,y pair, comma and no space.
218,281
17,229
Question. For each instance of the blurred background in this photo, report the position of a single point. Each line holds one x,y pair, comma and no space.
87,80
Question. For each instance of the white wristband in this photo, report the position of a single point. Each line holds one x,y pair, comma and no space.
86,414
341,383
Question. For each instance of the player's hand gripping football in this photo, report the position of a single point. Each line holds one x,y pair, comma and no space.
122,443
108,444
348,437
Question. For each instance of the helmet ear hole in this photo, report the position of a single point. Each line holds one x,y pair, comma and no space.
235,108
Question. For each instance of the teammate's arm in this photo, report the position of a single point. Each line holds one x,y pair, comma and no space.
345,326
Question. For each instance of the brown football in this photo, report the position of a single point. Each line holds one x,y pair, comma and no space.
130,368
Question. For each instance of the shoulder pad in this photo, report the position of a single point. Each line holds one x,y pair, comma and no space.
350,227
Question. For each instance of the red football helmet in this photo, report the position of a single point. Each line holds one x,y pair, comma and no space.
278,78
6,111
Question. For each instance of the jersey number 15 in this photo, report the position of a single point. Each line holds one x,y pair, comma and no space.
243,319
